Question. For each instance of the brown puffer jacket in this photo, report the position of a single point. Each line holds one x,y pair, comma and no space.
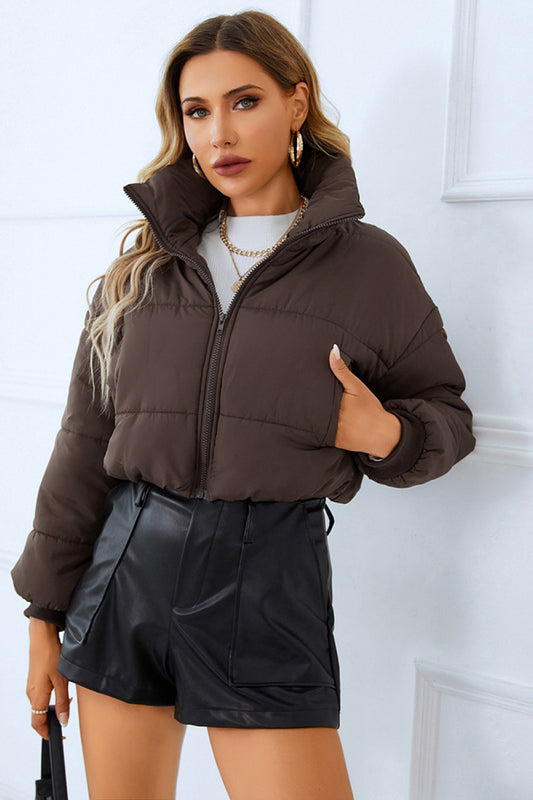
244,404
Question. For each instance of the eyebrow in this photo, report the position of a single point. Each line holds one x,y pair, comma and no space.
226,95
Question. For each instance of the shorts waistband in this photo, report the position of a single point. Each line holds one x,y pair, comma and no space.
143,488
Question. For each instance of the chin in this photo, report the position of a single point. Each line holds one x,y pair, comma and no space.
232,188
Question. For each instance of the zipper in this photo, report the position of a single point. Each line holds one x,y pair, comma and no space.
207,418
206,432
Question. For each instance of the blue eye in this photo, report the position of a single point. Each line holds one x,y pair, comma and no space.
201,113
193,113
251,100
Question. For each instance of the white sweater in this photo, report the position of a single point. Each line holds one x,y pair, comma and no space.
247,233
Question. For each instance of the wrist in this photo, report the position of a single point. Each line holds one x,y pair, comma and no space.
42,626
388,434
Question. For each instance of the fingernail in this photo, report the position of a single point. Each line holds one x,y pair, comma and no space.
336,351
63,718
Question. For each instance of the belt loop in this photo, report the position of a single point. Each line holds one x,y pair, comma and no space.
331,517
141,492
248,532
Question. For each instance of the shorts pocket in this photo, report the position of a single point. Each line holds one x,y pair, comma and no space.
122,507
280,629
318,536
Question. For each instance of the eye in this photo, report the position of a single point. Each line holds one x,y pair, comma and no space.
250,101
192,113
198,112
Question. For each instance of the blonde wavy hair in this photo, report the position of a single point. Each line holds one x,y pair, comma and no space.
129,278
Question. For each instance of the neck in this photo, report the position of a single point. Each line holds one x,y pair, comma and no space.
230,212
280,197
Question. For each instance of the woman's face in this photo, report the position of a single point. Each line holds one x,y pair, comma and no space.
233,108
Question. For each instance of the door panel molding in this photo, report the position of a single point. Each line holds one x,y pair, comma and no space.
460,184
435,686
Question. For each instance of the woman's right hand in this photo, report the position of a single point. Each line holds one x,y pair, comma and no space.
43,677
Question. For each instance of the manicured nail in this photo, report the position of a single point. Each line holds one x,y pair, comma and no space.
63,718
336,351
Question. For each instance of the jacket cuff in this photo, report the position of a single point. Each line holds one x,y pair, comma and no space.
46,614
405,454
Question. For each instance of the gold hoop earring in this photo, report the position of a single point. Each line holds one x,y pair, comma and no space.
197,167
296,148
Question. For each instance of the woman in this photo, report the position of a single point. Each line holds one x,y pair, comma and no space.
258,350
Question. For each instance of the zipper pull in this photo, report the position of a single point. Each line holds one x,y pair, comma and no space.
221,321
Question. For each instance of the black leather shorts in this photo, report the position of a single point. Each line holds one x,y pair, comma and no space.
222,609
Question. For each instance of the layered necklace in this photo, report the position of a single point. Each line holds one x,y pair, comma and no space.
261,254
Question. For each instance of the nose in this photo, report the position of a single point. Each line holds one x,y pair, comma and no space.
222,132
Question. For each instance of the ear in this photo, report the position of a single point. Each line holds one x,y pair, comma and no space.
300,104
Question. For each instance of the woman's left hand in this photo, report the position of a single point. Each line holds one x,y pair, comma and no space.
363,424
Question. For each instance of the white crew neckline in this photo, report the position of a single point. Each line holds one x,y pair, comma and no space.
261,216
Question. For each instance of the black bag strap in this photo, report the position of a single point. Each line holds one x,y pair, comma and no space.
53,782
43,785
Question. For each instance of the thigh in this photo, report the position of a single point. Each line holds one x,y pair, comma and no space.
129,750
285,763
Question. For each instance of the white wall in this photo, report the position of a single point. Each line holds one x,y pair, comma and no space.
431,585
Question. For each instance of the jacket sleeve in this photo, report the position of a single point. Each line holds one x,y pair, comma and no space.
69,511
422,387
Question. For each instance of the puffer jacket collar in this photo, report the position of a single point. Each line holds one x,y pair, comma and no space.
178,203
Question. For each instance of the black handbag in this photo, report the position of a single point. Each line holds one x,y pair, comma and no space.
52,785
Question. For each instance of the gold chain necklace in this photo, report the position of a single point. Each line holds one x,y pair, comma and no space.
251,253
